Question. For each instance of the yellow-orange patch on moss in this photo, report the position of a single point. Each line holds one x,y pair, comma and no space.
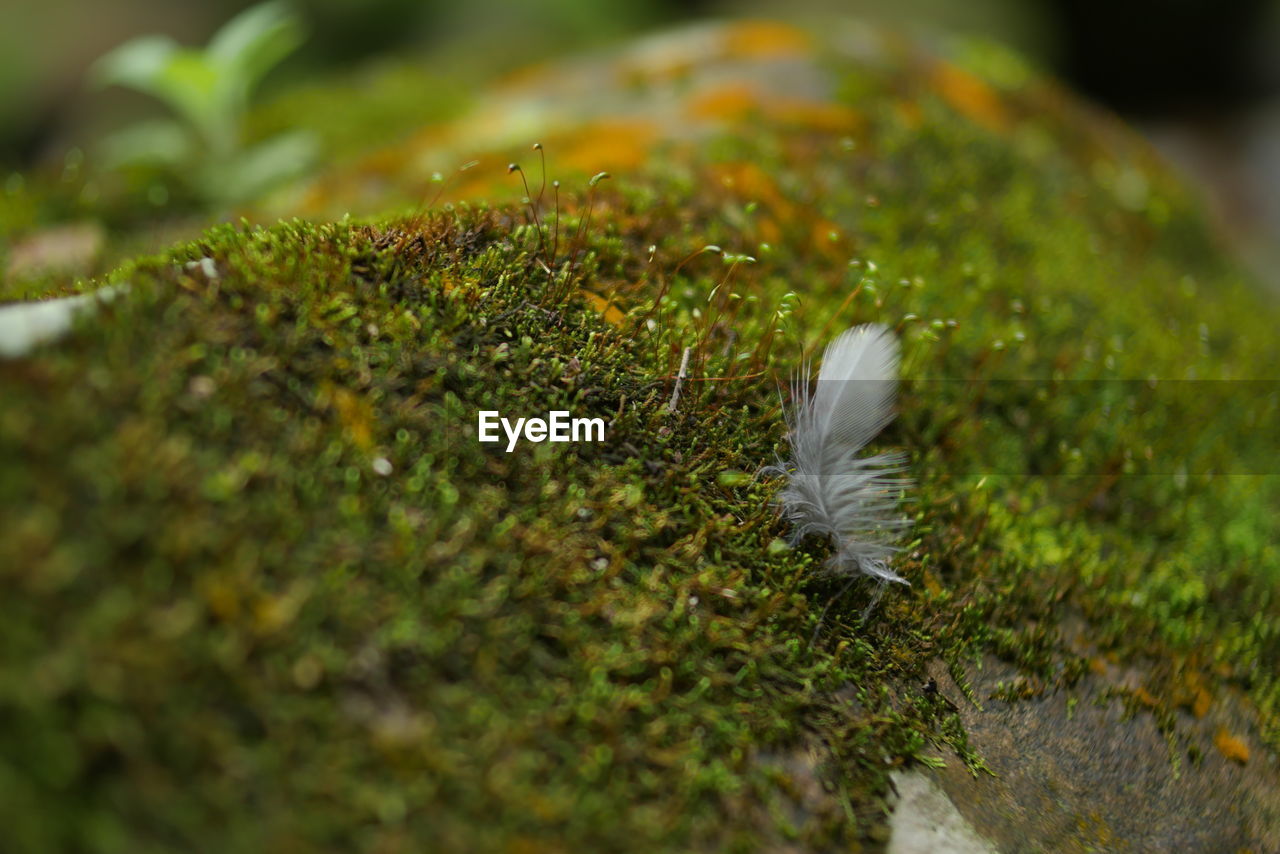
356,416
768,230
909,113
970,96
764,39
650,71
1193,692
221,598
732,101
814,115
314,199
611,313
1231,746
605,145
527,76
931,584
825,238
386,162
1143,696
272,613
483,183
749,182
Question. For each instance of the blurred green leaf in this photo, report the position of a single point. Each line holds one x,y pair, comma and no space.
183,79
255,170
255,41
193,88
209,89
162,142
137,64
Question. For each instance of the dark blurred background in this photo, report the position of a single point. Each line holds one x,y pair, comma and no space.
1201,77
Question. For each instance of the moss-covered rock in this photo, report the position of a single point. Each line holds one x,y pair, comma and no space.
264,589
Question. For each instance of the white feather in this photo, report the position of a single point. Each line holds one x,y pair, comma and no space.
830,490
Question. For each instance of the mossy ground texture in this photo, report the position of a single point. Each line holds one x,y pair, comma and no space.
263,590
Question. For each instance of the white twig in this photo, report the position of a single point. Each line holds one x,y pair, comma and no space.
684,372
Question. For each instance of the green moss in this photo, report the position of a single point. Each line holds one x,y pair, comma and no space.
219,610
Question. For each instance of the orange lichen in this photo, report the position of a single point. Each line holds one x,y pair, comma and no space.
391,161
768,230
1200,706
731,101
616,144
481,183
660,67
751,183
909,113
356,416
1143,696
526,76
1231,746
1193,692
970,96
765,39
814,115
611,313
825,238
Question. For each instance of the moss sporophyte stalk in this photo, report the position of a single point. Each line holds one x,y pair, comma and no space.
264,587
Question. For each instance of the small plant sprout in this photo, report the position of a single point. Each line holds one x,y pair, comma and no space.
831,491
209,91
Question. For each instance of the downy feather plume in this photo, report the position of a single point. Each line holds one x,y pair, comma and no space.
831,491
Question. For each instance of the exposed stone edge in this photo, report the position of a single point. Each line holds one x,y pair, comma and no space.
925,821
